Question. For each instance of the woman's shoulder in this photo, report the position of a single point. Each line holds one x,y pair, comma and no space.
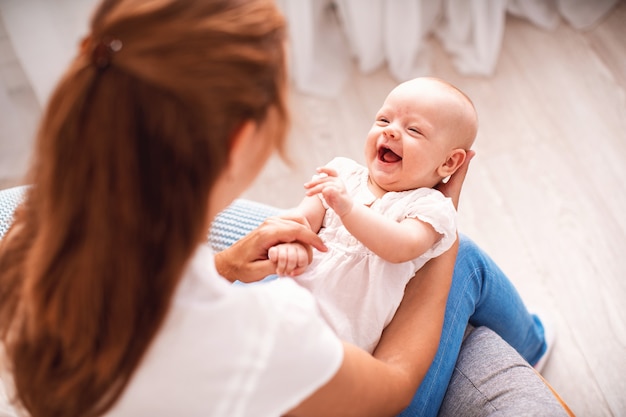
228,345
279,308
203,289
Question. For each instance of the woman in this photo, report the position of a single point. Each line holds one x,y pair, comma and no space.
110,304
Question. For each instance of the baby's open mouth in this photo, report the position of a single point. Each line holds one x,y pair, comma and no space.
387,155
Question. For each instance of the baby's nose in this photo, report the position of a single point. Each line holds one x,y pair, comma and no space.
390,132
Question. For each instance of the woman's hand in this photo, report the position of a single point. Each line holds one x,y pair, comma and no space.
452,188
247,259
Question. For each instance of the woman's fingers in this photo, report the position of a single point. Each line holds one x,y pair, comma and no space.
277,230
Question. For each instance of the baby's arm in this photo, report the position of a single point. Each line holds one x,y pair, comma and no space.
292,258
391,240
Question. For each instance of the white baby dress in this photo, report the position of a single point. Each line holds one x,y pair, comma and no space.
357,291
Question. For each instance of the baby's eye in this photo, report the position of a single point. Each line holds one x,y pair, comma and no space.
383,120
414,130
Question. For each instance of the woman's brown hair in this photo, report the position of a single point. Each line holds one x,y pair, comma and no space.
129,148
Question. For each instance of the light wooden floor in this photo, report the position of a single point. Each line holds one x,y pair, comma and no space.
545,195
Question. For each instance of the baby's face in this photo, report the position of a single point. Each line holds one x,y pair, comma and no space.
412,136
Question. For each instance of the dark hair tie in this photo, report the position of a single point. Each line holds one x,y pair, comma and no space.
103,51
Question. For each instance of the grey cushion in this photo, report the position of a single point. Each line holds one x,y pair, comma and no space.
239,219
492,379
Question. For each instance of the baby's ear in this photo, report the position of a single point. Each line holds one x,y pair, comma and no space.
454,160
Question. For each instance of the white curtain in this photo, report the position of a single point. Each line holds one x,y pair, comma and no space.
327,34
45,35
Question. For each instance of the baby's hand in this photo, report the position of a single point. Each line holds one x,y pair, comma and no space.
332,188
291,259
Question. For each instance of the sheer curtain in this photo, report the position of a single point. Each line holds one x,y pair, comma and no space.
326,35
45,36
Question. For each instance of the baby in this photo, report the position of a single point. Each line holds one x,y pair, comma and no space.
384,222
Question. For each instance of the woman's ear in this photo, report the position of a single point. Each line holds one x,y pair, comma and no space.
246,157
454,160
250,148
241,142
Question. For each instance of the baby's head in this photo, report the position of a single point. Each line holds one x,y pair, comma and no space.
421,135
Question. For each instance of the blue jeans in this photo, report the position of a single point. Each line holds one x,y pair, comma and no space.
483,296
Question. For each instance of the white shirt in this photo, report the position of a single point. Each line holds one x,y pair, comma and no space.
232,351
358,292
